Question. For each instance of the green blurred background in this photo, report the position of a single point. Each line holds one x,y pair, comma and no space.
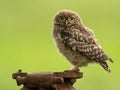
26,41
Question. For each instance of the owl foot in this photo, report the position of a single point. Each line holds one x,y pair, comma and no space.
76,69
73,70
68,71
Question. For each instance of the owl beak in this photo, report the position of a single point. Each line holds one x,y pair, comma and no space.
66,22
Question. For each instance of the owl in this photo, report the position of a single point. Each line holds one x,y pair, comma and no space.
77,42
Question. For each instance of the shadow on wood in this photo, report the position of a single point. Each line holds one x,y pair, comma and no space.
47,80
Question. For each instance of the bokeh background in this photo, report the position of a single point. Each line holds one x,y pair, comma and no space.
26,42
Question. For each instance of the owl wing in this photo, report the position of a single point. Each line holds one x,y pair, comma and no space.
86,44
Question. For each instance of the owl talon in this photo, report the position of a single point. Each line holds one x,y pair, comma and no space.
68,71
76,69
71,71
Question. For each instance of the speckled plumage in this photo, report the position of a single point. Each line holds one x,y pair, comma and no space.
77,42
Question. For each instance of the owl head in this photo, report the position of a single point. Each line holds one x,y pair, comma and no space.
67,18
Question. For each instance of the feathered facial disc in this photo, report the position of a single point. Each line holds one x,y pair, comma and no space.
66,18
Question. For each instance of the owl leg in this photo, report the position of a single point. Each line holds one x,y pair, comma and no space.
75,68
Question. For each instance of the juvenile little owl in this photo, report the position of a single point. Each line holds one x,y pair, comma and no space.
77,42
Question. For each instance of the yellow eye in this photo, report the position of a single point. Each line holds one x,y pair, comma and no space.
71,19
61,19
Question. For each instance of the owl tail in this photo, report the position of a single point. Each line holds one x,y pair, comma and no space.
110,60
105,66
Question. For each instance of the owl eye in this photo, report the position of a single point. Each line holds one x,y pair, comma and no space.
71,19
61,19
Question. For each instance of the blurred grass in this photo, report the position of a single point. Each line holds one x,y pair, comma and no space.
26,41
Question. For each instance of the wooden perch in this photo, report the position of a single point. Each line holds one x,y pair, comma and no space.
47,81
